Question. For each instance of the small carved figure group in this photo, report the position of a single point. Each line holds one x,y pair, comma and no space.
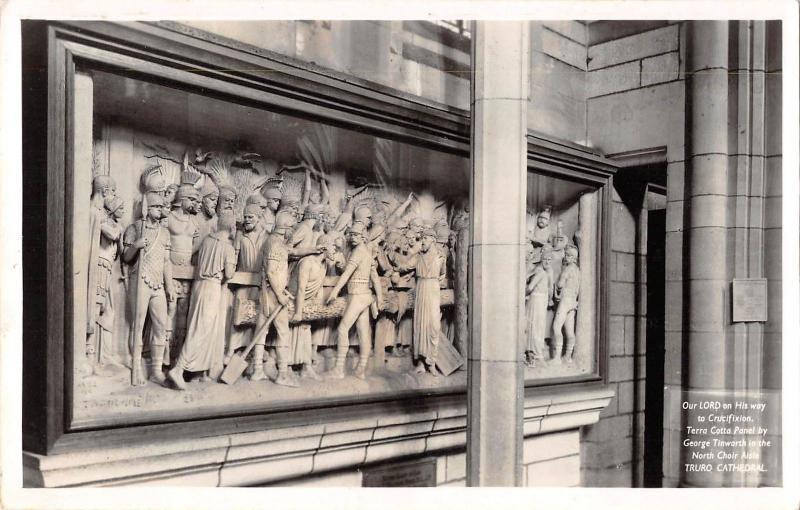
544,291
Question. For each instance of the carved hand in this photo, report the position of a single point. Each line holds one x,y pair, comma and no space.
283,299
298,316
140,243
331,297
170,291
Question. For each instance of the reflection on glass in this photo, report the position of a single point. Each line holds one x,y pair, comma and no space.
561,277
241,259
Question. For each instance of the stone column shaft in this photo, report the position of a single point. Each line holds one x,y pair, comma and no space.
708,195
495,388
707,180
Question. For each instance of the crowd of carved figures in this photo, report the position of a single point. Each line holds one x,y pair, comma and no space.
544,290
282,276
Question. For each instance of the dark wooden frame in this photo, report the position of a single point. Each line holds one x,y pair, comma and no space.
149,52
564,160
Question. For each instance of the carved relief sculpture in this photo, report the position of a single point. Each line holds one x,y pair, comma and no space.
429,272
227,199
207,218
566,294
306,284
539,234
99,343
274,296
302,237
249,247
273,195
539,296
184,241
205,336
147,248
103,188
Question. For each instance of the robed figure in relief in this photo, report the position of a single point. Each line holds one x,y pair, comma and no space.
205,335
430,272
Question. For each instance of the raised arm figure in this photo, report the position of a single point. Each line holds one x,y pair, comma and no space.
357,275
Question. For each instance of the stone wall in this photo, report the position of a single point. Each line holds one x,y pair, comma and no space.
330,453
635,100
721,220
416,59
412,57
557,104
611,450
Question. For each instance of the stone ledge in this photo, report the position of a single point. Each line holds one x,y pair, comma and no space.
270,456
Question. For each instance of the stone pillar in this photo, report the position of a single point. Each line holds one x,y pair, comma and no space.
495,387
707,155
772,356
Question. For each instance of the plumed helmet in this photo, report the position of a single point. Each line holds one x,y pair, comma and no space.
272,192
252,209
357,228
209,188
226,191
362,212
186,191
153,179
284,220
257,199
313,211
154,199
326,240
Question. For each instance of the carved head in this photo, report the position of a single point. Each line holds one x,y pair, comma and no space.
227,197
115,207
210,196
104,185
363,214
273,196
153,179
547,257
284,222
155,205
328,245
427,238
314,212
357,231
570,255
328,219
543,219
210,204
416,225
258,200
169,194
252,213
188,198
